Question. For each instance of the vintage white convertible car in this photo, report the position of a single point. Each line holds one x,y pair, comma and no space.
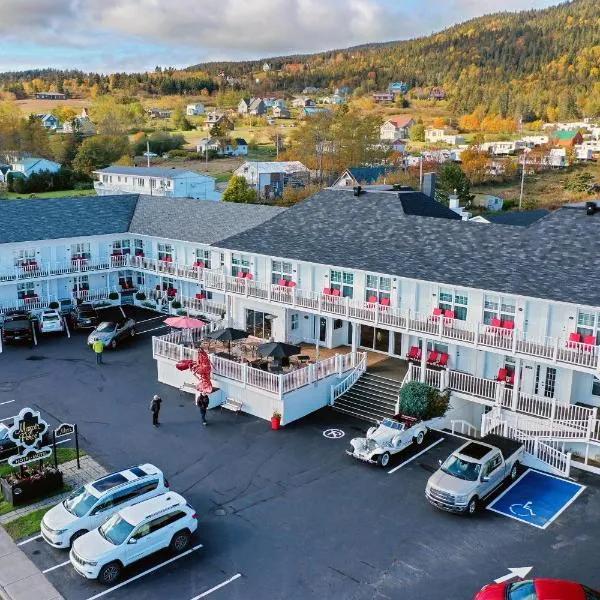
391,436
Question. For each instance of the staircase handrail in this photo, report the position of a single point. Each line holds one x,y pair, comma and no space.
345,384
471,429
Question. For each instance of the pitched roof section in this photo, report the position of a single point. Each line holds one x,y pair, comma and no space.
375,232
565,134
54,218
147,171
522,218
368,175
200,221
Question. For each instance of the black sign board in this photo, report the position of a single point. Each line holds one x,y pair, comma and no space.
27,457
28,428
64,429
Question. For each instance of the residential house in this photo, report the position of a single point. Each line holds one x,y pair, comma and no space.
175,183
383,97
396,127
335,99
50,96
27,166
307,91
505,148
398,87
303,102
236,147
399,146
583,153
281,112
567,138
159,113
48,120
81,125
437,93
218,118
532,141
343,91
354,176
207,144
251,106
442,136
193,110
557,157
266,67
271,178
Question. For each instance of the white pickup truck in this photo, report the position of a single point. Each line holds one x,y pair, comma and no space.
391,436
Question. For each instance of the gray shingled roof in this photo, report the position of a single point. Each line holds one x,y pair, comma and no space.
146,171
555,258
522,218
52,218
202,221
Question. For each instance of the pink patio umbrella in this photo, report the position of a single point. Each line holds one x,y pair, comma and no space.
184,322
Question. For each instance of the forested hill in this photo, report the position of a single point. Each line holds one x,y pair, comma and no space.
509,62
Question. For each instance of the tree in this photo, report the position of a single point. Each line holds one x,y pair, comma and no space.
239,191
180,120
474,164
100,151
421,401
417,133
450,178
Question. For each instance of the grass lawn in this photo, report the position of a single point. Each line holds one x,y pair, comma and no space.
5,507
223,177
26,525
63,455
15,196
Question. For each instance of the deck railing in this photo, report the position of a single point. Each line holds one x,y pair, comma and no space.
343,386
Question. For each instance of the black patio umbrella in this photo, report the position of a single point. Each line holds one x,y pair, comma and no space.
229,334
278,350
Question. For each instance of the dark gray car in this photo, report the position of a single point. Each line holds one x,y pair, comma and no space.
112,333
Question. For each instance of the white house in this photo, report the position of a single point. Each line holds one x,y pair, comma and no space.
557,157
193,110
513,337
27,166
396,127
236,147
531,141
177,183
583,153
271,178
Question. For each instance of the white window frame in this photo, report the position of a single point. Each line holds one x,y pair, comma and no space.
204,256
343,281
455,302
380,287
588,323
164,251
81,249
499,307
81,283
281,269
25,290
295,322
240,263
23,255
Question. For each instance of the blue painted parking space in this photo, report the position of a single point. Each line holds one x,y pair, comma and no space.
536,498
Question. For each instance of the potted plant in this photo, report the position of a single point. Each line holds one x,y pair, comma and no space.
140,296
113,296
23,487
53,305
176,304
276,420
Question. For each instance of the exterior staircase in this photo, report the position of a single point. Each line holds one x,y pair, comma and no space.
371,398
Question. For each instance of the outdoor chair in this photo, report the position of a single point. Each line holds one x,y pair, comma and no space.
283,283
574,340
327,291
509,326
433,357
449,316
336,293
590,342
385,302
510,380
443,361
437,313
412,353
372,300
496,324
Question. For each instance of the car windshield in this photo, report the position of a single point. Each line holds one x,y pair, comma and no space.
463,469
522,590
106,327
80,502
51,317
116,530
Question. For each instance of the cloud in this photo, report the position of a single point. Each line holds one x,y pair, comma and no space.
85,33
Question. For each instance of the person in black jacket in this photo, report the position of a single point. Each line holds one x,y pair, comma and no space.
155,408
202,403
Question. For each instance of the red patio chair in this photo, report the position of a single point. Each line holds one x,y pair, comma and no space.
509,327
419,354
327,291
336,293
502,374
437,313
385,302
590,342
496,323
510,379
443,361
199,264
199,296
574,339
412,353
249,276
433,357
283,283
241,275
449,315
291,284
372,300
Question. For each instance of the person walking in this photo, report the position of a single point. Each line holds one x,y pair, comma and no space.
155,408
98,348
202,403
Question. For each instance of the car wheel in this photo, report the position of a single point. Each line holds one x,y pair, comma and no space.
110,573
77,534
113,344
384,459
514,471
419,438
473,505
180,541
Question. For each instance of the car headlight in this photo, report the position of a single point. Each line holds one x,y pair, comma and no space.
461,498
91,563
54,531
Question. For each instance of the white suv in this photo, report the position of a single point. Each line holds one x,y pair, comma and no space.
51,321
89,506
166,521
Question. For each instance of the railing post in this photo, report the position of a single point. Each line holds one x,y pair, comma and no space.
181,352
515,398
553,410
499,396
476,340
269,291
516,332
319,301
338,365
280,385
555,350
590,427
535,446
440,326
376,315
568,464
293,296
347,306
445,379
245,374
310,373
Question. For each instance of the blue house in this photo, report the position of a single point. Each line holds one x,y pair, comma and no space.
398,87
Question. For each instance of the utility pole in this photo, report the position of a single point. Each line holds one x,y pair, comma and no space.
522,179
421,172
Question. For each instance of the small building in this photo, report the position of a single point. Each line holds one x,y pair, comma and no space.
311,111
81,125
252,106
218,118
399,146
557,157
50,96
307,91
396,127
236,147
380,97
533,141
442,136
159,113
48,120
271,178
266,67
583,153
176,183
194,110
567,138
437,93
398,87
281,112
303,102
27,166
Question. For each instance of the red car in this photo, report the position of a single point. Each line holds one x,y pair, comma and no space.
537,589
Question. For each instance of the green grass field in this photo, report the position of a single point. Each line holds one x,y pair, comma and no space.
26,525
63,194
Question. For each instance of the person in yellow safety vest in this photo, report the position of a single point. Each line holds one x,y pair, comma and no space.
98,348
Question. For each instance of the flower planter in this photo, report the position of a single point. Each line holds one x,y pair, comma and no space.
275,422
22,491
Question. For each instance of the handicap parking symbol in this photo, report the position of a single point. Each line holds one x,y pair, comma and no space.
536,498
334,434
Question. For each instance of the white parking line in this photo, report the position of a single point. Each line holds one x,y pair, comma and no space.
31,539
217,587
415,456
151,319
119,585
7,402
149,330
56,567
7,418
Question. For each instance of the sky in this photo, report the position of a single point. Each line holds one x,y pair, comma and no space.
136,35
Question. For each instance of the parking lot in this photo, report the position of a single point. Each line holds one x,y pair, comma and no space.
282,514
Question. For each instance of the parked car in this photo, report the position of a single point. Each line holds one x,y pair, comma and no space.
391,436
8,447
50,321
16,327
473,472
90,505
135,532
537,589
84,316
112,333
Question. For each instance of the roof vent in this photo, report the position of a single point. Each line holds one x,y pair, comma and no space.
591,208
358,190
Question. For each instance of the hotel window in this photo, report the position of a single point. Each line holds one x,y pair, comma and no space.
258,324
380,287
455,301
140,279
105,178
24,257
138,246
240,263
596,387
121,247
295,322
588,323
125,279
343,281
280,270
81,283
140,181
204,257
25,290
81,250
498,307
153,183
165,252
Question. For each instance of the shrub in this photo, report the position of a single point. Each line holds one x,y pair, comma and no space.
53,305
181,312
140,296
113,296
176,304
422,401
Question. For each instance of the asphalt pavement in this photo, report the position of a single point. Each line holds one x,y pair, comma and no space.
282,514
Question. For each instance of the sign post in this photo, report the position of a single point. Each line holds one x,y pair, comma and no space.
77,446
67,429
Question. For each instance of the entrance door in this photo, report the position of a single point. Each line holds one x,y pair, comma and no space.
320,328
374,339
545,381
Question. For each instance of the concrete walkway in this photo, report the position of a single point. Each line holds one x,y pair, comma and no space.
20,579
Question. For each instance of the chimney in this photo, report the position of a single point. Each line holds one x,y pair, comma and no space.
591,208
453,202
429,184
357,190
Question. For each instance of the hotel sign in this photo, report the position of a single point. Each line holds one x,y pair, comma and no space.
28,429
